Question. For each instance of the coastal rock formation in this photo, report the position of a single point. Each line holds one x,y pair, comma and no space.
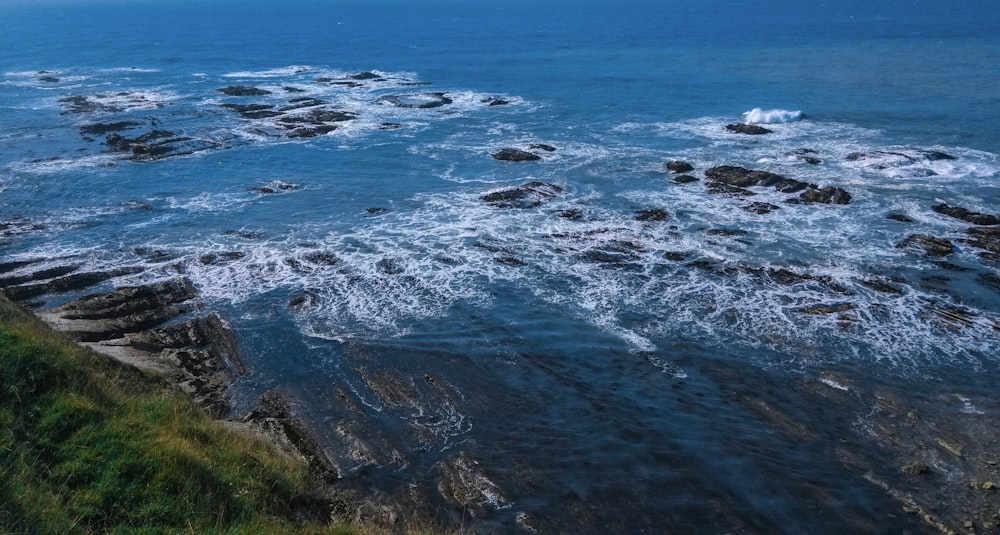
966,215
749,129
678,166
243,91
530,195
733,180
927,245
515,155
155,145
274,417
418,100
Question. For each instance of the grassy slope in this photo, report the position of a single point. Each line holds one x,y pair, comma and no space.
88,445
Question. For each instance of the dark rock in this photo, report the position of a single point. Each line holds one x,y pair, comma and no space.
928,245
742,178
276,418
902,218
421,100
985,238
303,102
685,179
227,256
515,155
375,210
542,146
496,101
827,195
916,468
968,216
749,129
244,108
390,126
654,214
98,129
510,261
367,75
274,187
760,208
291,89
528,195
574,214
321,258
36,276
934,155
125,310
312,131
806,155
69,283
882,286
243,91
675,256
79,104
678,166
48,79
390,266
726,232
721,188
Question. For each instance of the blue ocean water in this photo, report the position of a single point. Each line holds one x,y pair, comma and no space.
580,361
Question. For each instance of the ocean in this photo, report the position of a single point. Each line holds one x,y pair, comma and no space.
582,341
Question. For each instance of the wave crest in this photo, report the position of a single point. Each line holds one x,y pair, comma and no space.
761,116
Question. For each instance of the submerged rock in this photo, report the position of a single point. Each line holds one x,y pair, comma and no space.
685,179
966,215
927,245
529,195
515,155
749,129
902,218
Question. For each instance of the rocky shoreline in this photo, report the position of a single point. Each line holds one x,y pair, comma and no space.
943,469
162,329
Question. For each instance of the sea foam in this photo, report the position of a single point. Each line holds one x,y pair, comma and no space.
762,116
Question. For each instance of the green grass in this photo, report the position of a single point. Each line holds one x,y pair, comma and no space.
91,446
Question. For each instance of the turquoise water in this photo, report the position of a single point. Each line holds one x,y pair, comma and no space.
586,360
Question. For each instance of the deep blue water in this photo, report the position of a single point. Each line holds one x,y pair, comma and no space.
589,366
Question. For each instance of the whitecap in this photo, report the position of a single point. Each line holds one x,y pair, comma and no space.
761,116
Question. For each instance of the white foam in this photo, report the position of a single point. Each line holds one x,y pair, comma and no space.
761,116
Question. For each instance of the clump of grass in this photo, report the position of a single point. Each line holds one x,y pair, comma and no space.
91,446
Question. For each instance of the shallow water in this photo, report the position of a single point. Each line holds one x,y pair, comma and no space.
581,365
